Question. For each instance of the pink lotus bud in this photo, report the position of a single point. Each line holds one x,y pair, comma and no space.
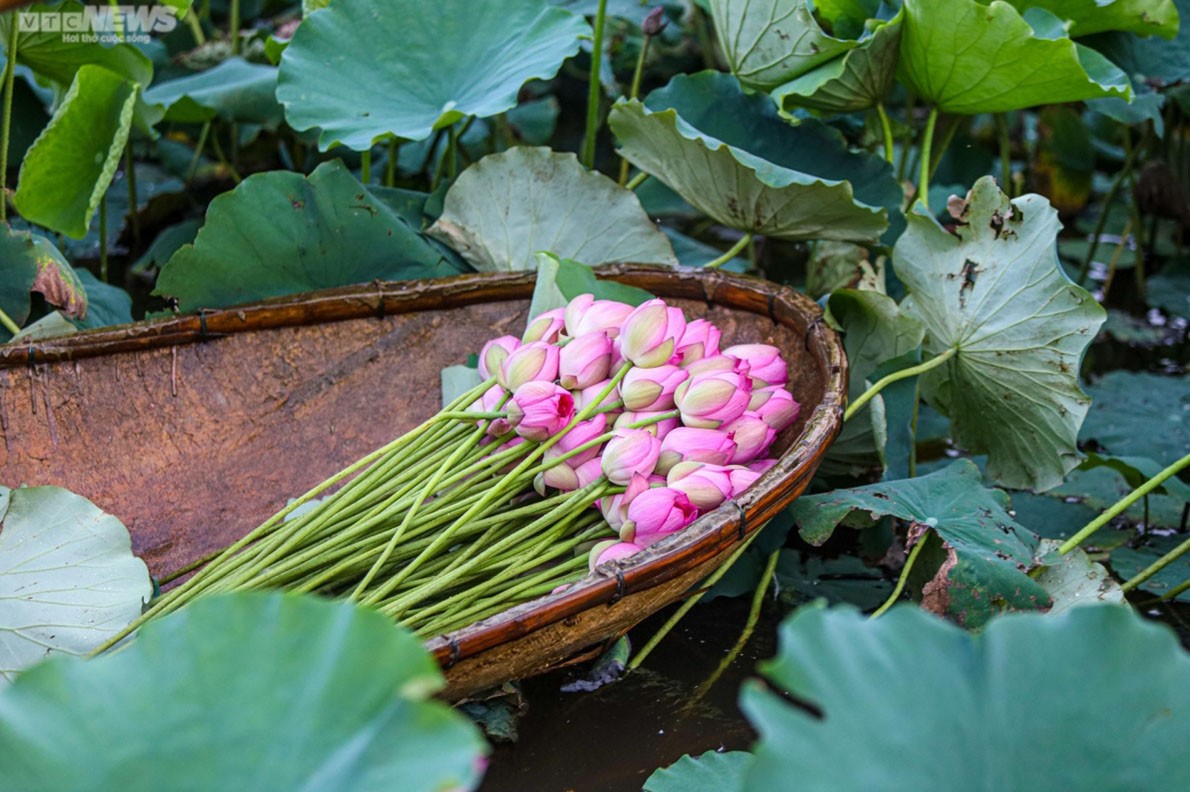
629,453
547,327
589,394
589,472
493,355
768,368
752,437
492,401
709,400
651,389
579,435
585,315
615,508
654,514
741,479
650,334
701,340
539,410
610,550
761,466
585,361
775,406
660,429
705,485
535,362
720,362
687,444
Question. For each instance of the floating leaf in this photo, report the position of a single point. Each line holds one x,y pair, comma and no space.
1073,580
993,291
106,304
1100,487
1139,414
235,90
711,772
856,81
68,579
361,75
243,691
282,233
68,168
770,42
804,577
508,207
1127,562
1016,67
1084,17
1007,708
988,553
733,158
32,263
42,46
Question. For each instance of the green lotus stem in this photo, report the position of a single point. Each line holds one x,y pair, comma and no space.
235,175
6,124
636,181
1175,592
1112,191
633,92
195,28
690,602
1122,505
390,165
896,376
927,141
903,578
593,87
1155,567
8,323
198,149
766,579
1005,145
235,27
886,131
731,252
133,199
103,238
365,166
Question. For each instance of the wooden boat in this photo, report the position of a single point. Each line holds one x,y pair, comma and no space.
192,430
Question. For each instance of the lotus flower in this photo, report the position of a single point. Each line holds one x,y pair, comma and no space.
659,429
752,437
615,508
610,550
535,362
656,513
584,314
775,406
765,362
688,444
539,410
493,355
651,389
585,361
578,435
649,336
492,401
547,327
701,340
709,400
629,453
705,485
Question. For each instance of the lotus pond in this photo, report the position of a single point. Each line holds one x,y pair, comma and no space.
985,585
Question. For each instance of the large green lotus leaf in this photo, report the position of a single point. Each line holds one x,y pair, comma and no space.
1015,68
68,578
1073,579
68,168
711,772
510,206
1150,60
770,42
106,304
235,90
993,290
854,82
988,553
244,691
1084,17
874,332
32,264
1139,414
1100,487
282,233
360,74
42,47
733,158
1128,561
1092,699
